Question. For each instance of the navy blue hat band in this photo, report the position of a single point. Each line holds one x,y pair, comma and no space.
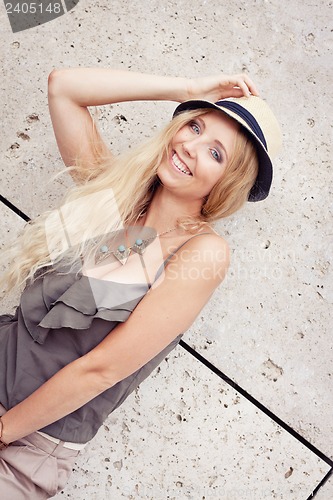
246,116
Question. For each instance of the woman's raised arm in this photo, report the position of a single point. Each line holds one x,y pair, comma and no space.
72,90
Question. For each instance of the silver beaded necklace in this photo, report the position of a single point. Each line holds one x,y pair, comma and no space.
123,252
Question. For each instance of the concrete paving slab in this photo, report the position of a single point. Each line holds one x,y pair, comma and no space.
187,434
275,342
326,492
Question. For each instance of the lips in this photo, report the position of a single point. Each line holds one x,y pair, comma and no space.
180,165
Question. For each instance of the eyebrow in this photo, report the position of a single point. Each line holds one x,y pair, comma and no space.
216,140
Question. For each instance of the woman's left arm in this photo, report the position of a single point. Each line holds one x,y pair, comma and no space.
167,310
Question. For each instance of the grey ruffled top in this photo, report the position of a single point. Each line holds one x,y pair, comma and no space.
62,316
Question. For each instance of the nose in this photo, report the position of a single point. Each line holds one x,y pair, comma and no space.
189,148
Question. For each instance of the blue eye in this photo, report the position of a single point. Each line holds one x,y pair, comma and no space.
216,155
195,127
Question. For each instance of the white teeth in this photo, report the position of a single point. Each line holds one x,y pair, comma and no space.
180,165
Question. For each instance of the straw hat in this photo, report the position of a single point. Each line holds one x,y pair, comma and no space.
258,119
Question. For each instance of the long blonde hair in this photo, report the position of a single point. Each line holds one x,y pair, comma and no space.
115,192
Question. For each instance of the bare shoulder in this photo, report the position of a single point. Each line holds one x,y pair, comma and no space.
208,240
212,245
202,256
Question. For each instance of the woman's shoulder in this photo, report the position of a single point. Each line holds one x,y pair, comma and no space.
209,238
205,248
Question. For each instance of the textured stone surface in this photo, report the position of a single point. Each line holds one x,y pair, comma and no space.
268,325
326,492
187,434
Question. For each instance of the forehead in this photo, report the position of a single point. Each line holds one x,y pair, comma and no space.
220,121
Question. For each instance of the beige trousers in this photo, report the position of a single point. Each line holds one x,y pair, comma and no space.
34,468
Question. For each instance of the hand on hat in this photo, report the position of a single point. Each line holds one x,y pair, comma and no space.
215,88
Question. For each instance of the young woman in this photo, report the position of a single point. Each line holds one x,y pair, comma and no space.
117,274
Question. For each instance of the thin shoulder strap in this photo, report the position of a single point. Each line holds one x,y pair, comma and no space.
164,263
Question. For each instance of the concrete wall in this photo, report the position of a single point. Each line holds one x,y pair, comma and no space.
186,433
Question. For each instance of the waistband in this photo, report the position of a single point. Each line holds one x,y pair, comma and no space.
66,444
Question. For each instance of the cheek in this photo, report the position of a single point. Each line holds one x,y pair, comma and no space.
212,172
180,137
209,180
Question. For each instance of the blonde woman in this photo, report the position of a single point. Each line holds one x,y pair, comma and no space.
115,275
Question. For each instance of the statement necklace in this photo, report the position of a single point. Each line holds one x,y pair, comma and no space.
122,252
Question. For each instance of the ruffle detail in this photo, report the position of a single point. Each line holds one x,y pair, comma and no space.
73,301
6,318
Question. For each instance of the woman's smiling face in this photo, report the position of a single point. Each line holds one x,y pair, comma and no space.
199,153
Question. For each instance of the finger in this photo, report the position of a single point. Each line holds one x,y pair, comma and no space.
251,85
241,83
237,82
244,88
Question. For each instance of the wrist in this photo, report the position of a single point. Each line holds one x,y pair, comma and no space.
184,89
167,88
3,442
190,89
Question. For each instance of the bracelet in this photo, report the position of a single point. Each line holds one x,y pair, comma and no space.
3,445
